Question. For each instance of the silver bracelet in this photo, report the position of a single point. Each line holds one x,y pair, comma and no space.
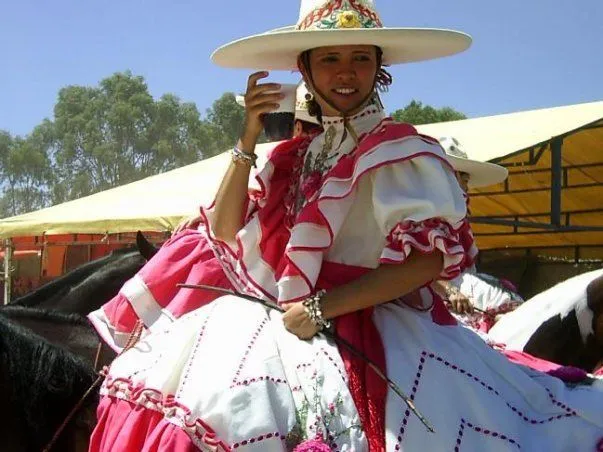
239,156
313,307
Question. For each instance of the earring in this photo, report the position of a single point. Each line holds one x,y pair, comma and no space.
309,96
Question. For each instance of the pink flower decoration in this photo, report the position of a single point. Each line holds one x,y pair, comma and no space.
311,184
313,445
569,374
508,285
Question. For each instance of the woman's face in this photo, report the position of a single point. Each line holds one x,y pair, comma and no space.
343,74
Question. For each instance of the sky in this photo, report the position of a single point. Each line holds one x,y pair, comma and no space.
526,54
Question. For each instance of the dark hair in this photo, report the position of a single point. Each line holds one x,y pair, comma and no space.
314,109
383,80
309,127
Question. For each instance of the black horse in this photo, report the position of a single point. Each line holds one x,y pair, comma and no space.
56,310
71,332
49,350
39,384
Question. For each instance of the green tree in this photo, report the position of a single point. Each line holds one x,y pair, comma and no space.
117,133
27,173
416,113
225,121
6,143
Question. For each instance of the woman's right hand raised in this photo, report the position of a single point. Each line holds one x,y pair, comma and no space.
259,99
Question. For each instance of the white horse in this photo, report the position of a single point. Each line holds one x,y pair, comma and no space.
563,324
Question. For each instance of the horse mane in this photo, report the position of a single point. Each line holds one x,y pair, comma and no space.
101,285
18,311
41,382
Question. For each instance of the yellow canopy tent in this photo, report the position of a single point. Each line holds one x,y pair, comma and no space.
554,194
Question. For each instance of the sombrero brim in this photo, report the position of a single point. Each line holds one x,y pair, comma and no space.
481,174
278,50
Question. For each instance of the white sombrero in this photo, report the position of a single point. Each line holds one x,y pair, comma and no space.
338,22
481,174
301,104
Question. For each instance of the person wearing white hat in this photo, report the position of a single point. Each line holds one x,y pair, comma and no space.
479,174
302,123
476,299
305,124
367,212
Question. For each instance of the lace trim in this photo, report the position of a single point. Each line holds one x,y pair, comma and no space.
200,432
427,236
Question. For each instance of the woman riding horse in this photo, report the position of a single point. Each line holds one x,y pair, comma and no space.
347,233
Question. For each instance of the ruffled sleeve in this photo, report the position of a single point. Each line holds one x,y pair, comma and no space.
249,261
419,206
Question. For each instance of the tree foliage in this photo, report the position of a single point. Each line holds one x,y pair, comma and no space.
226,118
416,113
26,172
117,133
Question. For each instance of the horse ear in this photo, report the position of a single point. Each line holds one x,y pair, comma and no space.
145,248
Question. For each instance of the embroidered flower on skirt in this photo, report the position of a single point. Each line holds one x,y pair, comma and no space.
319,426
313,445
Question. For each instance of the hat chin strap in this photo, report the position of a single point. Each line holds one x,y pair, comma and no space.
344,114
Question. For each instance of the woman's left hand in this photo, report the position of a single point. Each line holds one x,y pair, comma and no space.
298,322
460,303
